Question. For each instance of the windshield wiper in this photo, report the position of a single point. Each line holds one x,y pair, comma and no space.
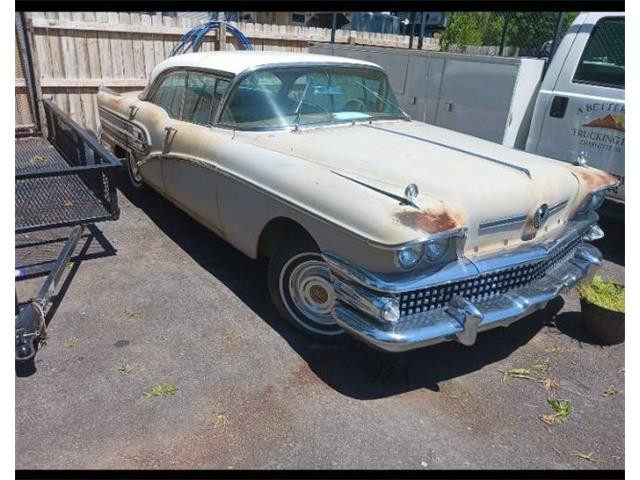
299,107
387,102
302,102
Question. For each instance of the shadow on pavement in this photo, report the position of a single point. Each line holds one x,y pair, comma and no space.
92,245
612,245
352,369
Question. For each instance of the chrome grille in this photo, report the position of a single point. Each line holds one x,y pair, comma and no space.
483,286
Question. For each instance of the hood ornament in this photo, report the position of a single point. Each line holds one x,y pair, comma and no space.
540,216
411,193
581,159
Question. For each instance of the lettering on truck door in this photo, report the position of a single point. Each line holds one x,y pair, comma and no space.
585,111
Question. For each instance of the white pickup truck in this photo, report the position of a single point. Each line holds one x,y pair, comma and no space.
574,111
579,111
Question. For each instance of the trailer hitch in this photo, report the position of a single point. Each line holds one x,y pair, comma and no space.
30,319
29,326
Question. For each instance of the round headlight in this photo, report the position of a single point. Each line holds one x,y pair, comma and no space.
410,256
436,249
597,199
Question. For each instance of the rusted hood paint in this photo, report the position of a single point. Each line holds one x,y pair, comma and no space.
460,184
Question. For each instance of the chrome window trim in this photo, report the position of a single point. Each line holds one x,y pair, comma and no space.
150,89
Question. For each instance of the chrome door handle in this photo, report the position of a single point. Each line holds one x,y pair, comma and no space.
168,137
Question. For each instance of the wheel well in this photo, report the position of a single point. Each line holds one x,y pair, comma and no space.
277,232
119,152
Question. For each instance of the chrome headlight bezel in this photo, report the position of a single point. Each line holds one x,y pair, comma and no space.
597,199
592,201
436,248
409,257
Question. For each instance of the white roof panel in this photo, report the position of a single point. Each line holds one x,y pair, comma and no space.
235,62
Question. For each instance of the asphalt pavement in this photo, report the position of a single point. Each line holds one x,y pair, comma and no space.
155,300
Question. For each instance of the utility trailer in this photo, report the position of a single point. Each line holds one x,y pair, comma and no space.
64,177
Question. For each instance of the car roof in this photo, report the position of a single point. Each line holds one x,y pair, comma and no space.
235,62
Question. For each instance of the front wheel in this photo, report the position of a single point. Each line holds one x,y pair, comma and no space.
302,292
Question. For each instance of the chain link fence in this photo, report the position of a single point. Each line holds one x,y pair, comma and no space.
505,33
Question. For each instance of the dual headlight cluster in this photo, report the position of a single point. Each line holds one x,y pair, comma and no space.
432,250
592,202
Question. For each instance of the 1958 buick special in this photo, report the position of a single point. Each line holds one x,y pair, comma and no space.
399,233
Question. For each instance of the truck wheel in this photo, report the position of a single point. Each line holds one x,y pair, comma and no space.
301,290
133,172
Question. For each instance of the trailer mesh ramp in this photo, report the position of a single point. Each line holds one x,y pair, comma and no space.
63,198
42,247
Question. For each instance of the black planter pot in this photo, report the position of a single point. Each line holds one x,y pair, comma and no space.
604,325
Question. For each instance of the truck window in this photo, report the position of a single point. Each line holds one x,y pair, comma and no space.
602,61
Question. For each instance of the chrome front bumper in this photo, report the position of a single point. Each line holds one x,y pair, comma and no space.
361,294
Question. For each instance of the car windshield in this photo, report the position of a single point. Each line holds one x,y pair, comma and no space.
296,96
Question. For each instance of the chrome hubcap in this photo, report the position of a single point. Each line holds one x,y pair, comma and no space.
135,170
310,290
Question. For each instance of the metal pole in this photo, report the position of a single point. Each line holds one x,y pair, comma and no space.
422,26
556,36
334,21
505,29
413,28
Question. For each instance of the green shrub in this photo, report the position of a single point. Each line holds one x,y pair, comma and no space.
604,294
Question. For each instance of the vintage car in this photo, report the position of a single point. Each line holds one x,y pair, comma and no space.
399,233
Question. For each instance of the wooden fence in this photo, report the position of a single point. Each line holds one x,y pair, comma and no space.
75,52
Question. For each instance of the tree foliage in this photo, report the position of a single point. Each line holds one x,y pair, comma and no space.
524,29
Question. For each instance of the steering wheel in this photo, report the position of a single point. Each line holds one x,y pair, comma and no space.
354,105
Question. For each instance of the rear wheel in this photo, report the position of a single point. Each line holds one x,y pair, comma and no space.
301,290
133,172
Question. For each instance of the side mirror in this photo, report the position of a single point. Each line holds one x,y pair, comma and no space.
545,49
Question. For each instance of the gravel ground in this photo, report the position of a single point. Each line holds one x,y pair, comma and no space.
177,305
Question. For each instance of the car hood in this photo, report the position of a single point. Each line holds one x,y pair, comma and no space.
462,180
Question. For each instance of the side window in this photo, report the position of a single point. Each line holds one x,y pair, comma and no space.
170,93
221,88
199,98
602,61
202,96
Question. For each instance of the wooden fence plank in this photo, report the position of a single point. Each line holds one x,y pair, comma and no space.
158,46
127,48
75,53
115,41
147,43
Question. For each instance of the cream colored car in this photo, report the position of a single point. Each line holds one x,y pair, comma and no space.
399,233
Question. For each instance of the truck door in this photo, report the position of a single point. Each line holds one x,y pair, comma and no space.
580,109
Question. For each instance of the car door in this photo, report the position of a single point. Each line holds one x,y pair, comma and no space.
155,115
584,115
189,158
